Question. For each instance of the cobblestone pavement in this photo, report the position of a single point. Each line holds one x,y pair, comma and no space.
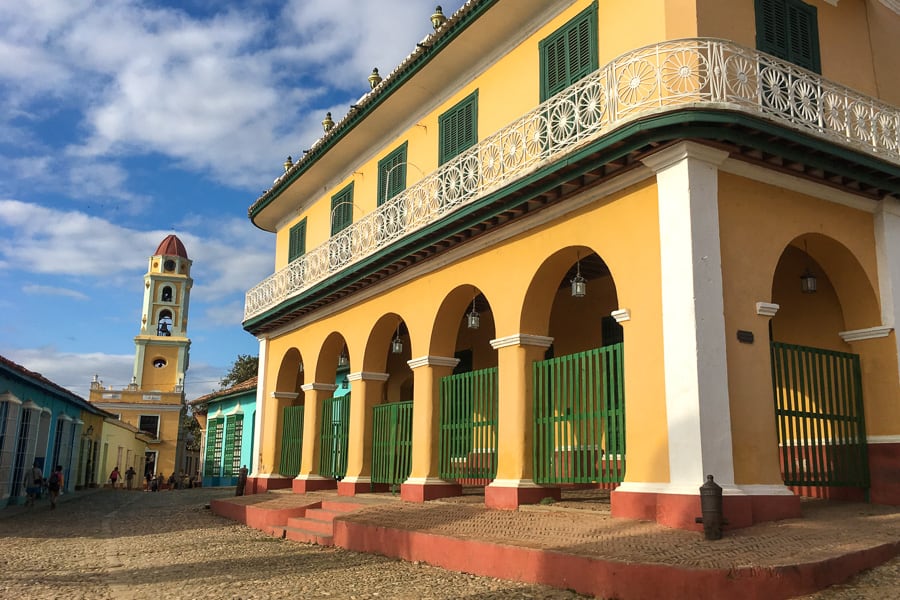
132,545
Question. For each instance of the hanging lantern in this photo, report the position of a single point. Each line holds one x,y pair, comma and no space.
579,286
397,344
343,360
473,319
808,283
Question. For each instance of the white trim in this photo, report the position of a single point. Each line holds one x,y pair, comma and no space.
869,333
694,341
270,476
638,487
427,481
432,361
767,309
357,479
64,417
120,406
887,256
367,376
285,395
236,410
309,477
621,315
516,483
318,387
797,184
260,408
10,397
883,439
522,339
893,5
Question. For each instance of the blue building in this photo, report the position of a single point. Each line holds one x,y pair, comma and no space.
43,423
228,435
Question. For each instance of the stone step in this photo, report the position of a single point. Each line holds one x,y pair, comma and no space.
298,534
343,506
316,525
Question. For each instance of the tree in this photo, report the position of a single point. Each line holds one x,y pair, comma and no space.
243,368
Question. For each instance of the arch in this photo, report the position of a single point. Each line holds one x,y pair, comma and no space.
327,362
549,308
451,331
380,356
290,372
164,323
167,295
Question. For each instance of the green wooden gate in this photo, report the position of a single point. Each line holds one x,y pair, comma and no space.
291,440
213,463
392,442
468,425
819,410
579,418
335,437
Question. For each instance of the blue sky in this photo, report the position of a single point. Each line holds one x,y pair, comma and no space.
122,122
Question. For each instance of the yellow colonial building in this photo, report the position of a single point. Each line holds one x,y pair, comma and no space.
154,401
603,243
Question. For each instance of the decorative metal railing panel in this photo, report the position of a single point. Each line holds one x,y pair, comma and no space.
335,437
468,427
579,417
819,412
291,440
661,78
392,442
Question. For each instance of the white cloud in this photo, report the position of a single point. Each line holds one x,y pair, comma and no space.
49,290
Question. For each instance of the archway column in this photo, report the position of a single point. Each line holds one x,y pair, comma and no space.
309,480
513,484
887,247
366,393
697,404
424,482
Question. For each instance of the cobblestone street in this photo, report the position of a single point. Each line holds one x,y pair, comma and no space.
117,544
134,545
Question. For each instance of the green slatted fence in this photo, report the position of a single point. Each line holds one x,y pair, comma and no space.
291,440
468,427
819,410
579,418
335,438
392,442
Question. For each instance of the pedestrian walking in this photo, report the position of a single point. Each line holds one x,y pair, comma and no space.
54,484
114,477
34,482
147,477
129,477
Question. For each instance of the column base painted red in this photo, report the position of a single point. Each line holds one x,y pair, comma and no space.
680,511
352,488
884,474
301,486
422,492
509,498
261,485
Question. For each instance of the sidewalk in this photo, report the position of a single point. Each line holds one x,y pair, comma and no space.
577,545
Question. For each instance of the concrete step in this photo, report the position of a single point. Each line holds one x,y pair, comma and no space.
299,534
316,525
343,506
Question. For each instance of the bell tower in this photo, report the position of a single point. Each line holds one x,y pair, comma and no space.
161,347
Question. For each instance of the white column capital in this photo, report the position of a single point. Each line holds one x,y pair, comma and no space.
285,395
869,333
522,339
367,376
432,361
319,387
673,155
767,309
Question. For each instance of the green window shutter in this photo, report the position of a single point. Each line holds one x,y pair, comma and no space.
228,451
458,128
297,244
789,29
392,174
342,210
569,53
238,440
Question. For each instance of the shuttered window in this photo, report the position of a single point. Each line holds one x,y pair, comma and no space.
789,29
458,128
392,174
569,53
297,243
342,210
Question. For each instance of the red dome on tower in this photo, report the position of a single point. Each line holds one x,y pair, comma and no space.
171,246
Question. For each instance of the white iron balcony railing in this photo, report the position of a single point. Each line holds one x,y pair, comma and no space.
655,79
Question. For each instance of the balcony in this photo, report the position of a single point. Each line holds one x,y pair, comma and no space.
669,77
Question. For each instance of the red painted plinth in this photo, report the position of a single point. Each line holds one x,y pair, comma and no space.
352,488
884,473
261,485
680,511
509,498
301,486
414,492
